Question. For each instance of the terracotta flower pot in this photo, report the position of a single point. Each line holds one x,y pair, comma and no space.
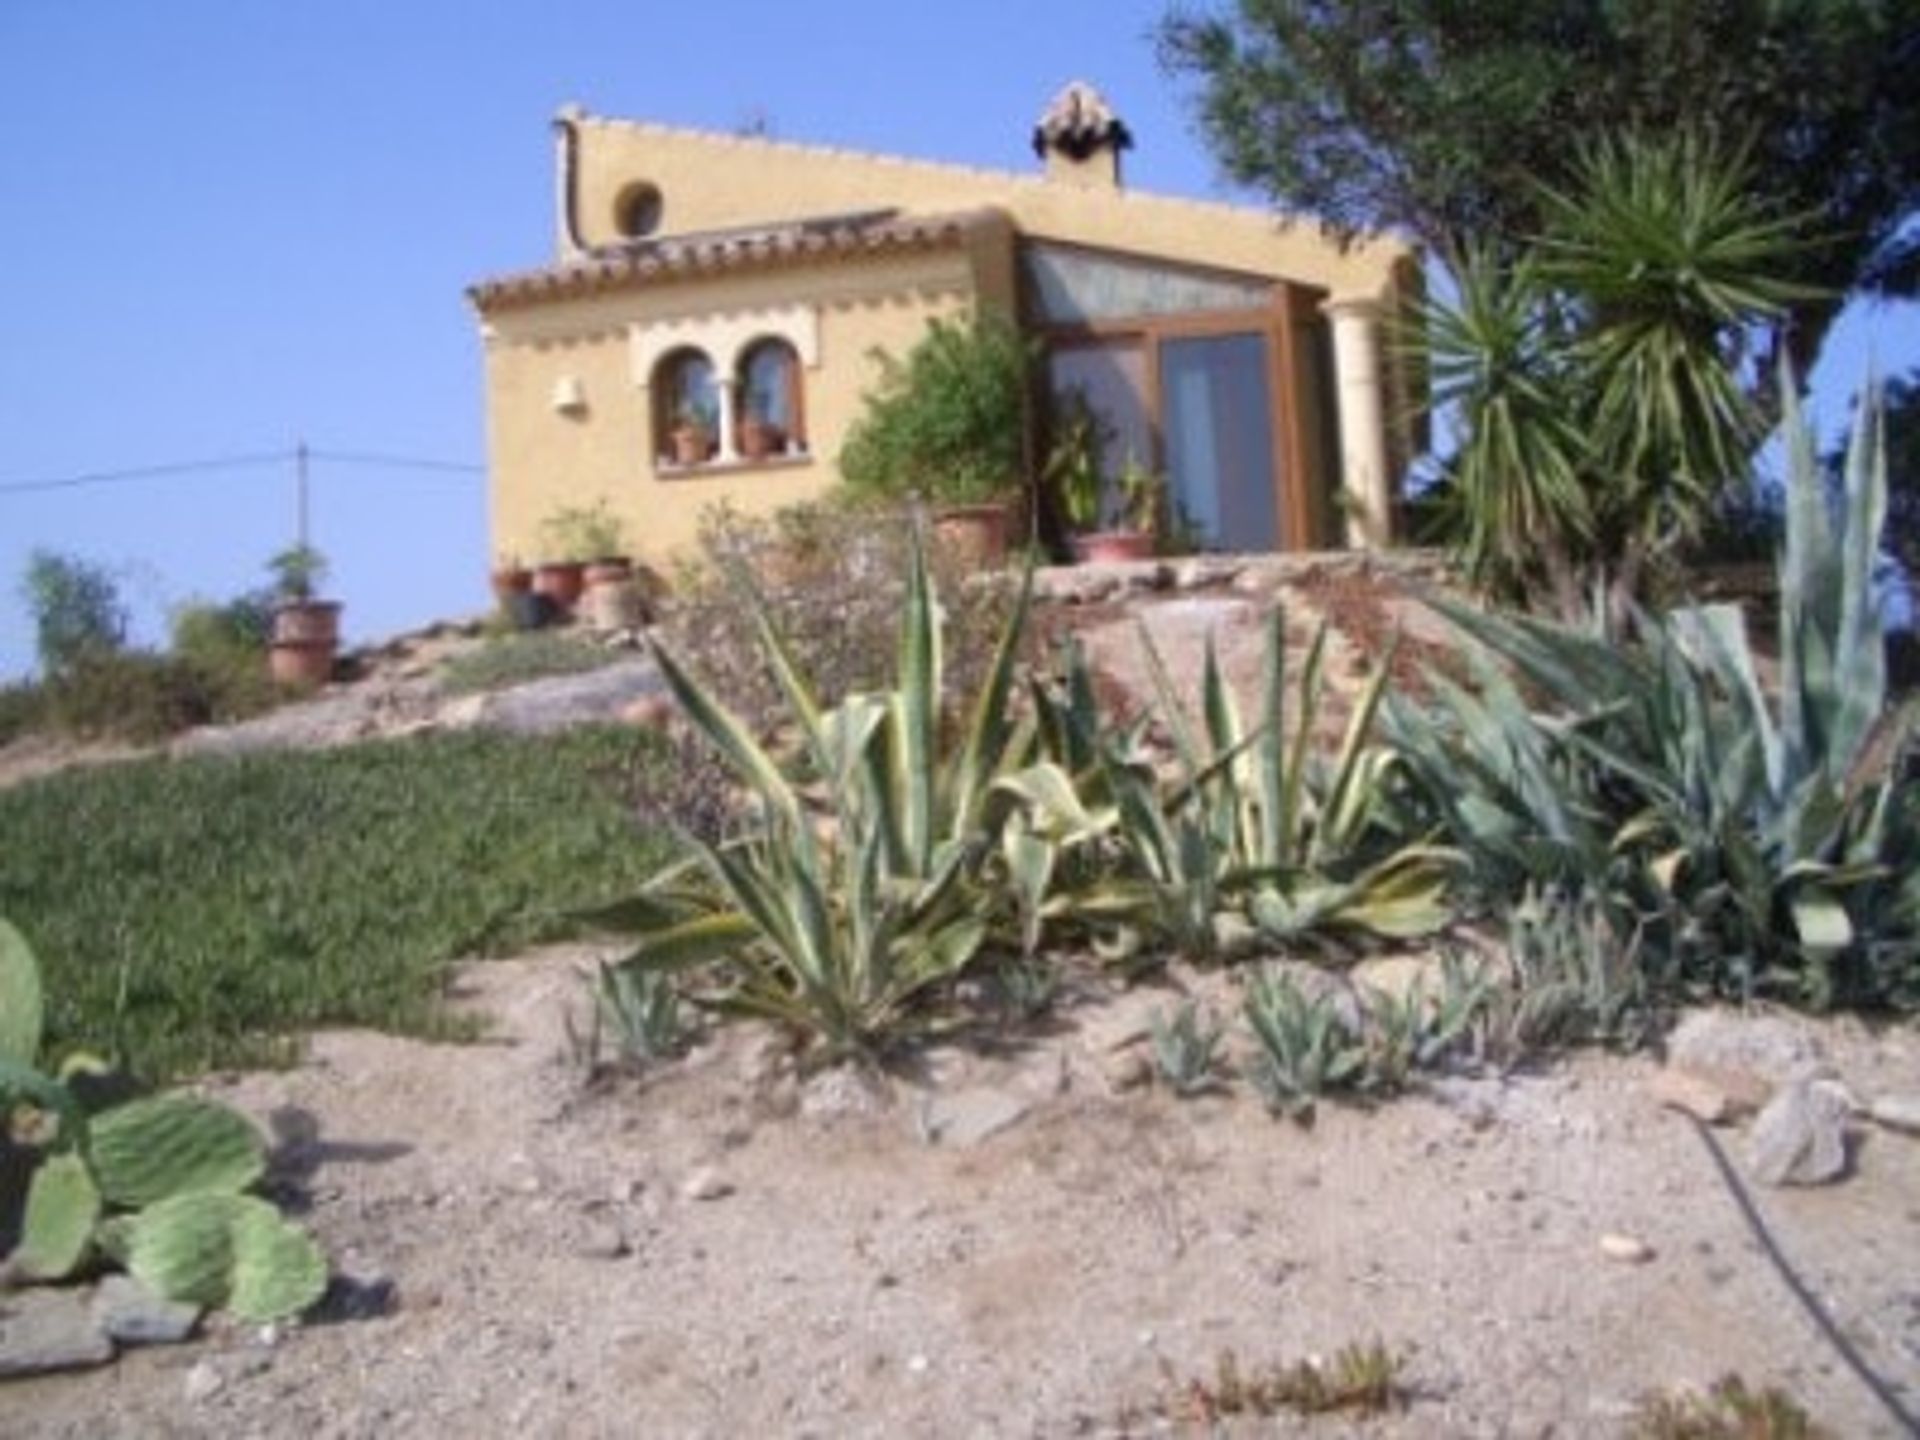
307,622
561,581
977,534
609,570
510,581
760,439
691,445
1107,547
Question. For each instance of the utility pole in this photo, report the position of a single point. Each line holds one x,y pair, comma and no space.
300,491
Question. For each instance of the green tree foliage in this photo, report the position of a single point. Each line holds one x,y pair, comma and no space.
77,614
1596,374
949,421
1438,115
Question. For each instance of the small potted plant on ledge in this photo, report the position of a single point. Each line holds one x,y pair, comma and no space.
1133,523
509,578
761,436
692,436
306,630
948,424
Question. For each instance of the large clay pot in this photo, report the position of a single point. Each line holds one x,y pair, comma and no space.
1107,547
306,639
561,581
975,534
612,570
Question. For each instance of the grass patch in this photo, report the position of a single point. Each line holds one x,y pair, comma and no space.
202,913
515,659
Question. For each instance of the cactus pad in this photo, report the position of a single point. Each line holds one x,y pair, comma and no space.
20,1003
226,1251
63,1206
169,1145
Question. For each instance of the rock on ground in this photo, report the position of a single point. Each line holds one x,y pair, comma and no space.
134,1315
1764,1050
48,1329
1801,1137
563,701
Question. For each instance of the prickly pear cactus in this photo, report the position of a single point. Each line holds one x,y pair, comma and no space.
226,1251
148,1150
63,1206
20,1003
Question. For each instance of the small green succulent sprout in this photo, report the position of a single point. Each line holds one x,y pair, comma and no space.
641,1011
1027,989
1186,1049
1305,1048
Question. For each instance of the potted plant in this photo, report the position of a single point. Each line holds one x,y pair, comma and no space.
760,434
306,630
509,578
948,425
693,432
1135,518
584,548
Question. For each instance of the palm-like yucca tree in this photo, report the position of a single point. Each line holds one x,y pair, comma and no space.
1599,373
1496,362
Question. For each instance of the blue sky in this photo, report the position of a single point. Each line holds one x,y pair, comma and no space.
232,224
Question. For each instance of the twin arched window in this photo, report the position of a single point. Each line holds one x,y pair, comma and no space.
758,415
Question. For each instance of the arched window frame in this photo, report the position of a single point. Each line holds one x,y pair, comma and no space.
683,406
776,401
724,338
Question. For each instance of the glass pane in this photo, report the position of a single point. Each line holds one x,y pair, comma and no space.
694,397
1069,286
1113,378
768,387
1219,434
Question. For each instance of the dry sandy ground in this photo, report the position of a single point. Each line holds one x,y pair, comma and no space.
552,1276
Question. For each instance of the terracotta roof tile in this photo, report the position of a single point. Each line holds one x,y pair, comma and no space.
672,257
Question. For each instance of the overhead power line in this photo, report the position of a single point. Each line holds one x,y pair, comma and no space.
399,462
145,472
239,462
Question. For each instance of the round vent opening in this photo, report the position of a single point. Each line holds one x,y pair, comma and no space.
637,212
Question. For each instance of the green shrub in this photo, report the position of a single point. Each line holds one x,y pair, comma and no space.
138,696
202,630
832,579
949,422
77,614
22,710
204,912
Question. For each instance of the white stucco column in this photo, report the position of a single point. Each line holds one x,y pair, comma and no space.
723,388
1360,399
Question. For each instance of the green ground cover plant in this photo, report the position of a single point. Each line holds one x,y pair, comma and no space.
199,913
514,659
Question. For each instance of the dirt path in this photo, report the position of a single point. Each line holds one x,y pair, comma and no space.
552,1272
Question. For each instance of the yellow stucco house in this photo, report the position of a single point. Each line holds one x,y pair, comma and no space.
707,329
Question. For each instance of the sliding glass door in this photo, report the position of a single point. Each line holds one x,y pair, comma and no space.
1216,423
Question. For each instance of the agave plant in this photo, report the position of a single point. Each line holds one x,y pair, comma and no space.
156,1183
1757,840
860,885
1304,1048
1257,843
